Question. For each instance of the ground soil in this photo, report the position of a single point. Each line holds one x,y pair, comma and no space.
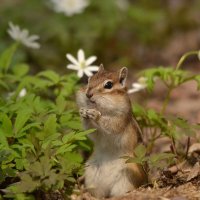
187,191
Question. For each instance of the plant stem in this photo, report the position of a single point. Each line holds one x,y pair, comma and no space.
166,101
188,146
183,58
152,141
173,146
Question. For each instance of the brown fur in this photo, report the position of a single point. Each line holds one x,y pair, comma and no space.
116,135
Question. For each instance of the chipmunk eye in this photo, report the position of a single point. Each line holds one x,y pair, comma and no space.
108,85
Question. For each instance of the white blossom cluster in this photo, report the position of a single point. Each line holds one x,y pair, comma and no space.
69,7
22,36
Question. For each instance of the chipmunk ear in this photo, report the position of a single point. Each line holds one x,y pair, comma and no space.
101,68
123,75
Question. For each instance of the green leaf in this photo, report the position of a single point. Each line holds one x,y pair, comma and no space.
51,139
73,136
70,161
152,115
65,148
169,75
68,137
74,124
138,110
4,85
65,118
31,125
51,75
137,160
85,145
3,139
61,104
27,184
4,155
82,134
21,163
6,57
50,124
183,126
140,151
27,143
22,117
45,166
6,172
20,69
156,158
6,125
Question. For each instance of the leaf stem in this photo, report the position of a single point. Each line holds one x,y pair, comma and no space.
187,148
183,58
166,101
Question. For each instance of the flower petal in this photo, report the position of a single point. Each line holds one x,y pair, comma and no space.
81,56
133,90
88,72
12,34
93,68
33,37
142,80
23,92
90,60
34,45
69,7
138,85
13,28
80,73
14,31
72,59
24,34
74,67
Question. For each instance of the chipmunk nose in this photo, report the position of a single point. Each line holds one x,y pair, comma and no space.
89,95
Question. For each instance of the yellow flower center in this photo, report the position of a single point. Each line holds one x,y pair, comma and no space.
82,64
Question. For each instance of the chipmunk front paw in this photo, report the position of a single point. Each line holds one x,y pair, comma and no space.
89,113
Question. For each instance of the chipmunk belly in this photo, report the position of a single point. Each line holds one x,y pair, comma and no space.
106,176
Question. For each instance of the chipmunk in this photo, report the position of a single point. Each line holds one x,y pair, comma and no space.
105,105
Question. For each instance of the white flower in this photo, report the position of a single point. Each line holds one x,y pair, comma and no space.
137,86
82,65
122,4
22,93
23,36
69,7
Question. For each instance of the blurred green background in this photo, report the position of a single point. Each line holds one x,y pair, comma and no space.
134,33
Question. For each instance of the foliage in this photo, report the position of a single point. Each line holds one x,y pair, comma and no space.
158,124
153,160
40,131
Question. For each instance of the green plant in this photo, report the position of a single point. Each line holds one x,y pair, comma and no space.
40,130
160,124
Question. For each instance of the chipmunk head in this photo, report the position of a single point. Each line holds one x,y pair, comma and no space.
108,89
